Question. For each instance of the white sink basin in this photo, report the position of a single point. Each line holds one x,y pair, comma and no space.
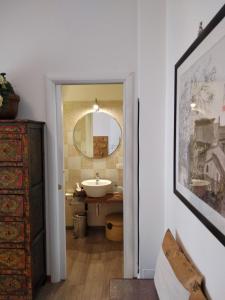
96,188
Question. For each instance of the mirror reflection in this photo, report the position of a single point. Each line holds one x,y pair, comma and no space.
97,135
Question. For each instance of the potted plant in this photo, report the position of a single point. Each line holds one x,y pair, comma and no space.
8,99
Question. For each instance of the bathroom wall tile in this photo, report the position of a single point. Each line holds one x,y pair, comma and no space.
74,162
70,137
111,162
66,178
70,121
99,163
65,149
120,151
72,151
120,159
65,163
74,176
111,174
120,177
86,163
101,173
87,174
66,172
65,137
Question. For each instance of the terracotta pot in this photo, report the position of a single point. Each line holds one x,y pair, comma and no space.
9,108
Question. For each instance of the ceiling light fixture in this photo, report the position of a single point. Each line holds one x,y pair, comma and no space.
96,106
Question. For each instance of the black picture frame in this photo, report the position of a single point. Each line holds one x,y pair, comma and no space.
181,188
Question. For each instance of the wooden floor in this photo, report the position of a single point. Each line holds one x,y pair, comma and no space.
133,289
91,263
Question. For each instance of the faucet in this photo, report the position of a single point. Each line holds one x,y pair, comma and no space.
97,177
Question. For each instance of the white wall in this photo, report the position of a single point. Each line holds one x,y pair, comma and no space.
95,36
82,36
183,18
63,37
151,90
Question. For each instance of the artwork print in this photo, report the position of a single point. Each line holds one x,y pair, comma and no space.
199,148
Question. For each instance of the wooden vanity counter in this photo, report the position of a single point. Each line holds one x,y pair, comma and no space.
108,198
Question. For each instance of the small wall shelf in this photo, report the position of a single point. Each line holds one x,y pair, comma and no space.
108,198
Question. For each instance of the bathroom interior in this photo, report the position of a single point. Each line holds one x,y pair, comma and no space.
93,178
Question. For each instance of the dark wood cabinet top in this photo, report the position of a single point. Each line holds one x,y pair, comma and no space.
21,121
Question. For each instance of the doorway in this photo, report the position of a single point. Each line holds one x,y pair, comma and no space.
93,185
56,247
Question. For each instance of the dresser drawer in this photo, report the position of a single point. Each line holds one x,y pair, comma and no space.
11,232
11,178
13,284
13,259
11,205
11,150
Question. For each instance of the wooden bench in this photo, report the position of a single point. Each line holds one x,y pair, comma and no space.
175,278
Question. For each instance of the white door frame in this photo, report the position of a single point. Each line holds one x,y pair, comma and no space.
55,208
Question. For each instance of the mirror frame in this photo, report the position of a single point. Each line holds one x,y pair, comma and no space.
120,138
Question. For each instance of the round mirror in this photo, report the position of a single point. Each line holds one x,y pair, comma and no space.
97,135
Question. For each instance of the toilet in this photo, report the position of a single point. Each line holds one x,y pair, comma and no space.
114,227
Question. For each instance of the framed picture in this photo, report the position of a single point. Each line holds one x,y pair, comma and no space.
199,127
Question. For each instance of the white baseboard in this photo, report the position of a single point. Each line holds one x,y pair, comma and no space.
147,273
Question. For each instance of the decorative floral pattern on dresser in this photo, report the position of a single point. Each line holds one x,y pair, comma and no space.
11,150
11,231
11,178
12,259
16,140
11,205
12,284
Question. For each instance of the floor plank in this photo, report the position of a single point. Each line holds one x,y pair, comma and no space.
91,263
133,289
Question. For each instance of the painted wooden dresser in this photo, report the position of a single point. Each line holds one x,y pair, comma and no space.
22,209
